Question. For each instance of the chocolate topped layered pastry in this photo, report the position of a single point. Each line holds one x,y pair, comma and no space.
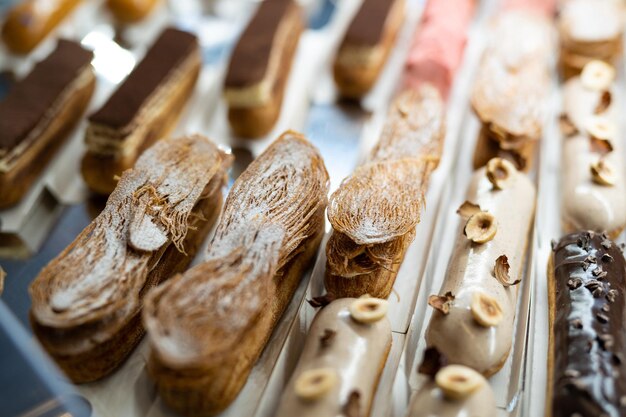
30,21
86,302
208,326
38,113
474,312
260,66
590,30
586,288
451,391
143,109
343,357
366,46
376,209
511,87
593,189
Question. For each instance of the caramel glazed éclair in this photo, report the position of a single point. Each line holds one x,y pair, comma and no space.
475,316
593,192
586,289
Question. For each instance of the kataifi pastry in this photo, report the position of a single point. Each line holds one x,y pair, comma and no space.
260,65
593,189
143,109
585,375
208,326
511,88
86,303
590,30
369,39
344,355
38,113
376,209
474,313
30,21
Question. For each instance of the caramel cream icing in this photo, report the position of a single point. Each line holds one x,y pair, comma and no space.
356,351
586,205
429,401
471,270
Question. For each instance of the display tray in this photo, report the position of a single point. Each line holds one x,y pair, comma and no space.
58,207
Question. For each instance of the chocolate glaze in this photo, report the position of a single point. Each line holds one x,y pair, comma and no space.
251,56
163,57
588,337
368,25
29,99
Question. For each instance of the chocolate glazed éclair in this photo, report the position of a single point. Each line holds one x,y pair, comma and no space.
587,348
475,317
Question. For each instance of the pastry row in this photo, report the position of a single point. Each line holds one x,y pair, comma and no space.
45,106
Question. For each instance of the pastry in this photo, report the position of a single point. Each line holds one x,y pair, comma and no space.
544,7
38,113
143,109
366,46
30,21
511,87
208,326
343,357
593,189
474,315
259,67
131,10
375,210
437,48
590,30
587,347
86,303
451,391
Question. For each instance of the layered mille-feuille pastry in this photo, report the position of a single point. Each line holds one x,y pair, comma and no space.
474,313
343,357
376,209
369,39
586,287
143,109
30,21
511,87
86,303
590,30
450,391
38,114
208,326
260,65
131,10
593,189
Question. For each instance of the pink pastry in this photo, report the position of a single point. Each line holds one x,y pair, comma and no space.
545,7
438,45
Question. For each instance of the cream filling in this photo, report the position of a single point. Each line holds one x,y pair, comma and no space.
103,140
8,159
259,94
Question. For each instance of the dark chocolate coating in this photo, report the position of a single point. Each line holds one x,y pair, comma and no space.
29,99
168,52
368,25
250,58
588,329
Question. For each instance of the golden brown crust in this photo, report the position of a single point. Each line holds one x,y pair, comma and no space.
355,69
31,21
131,10
252,122
375,210
16,182
87,301
208,326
